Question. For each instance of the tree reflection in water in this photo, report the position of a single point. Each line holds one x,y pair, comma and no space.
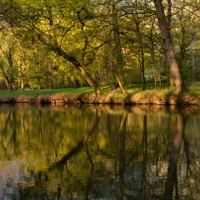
172,179
94,153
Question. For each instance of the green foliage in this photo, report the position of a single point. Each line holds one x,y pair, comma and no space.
2,63
83,30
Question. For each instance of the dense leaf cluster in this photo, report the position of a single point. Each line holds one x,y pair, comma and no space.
56,44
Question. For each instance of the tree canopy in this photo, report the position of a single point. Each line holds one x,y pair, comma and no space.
53,44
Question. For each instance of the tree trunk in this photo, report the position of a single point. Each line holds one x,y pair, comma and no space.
193,65
78,66
21,87
90,80
167,44
141,54
117,51
7,81
169,23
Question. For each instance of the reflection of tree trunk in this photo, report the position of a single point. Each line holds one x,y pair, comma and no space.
80,145
12,135
60,165
172,168
4,130
122,157
143,184
59,186
89,182
186,148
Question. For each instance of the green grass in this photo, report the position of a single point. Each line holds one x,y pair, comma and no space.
51,91
47,91
134,89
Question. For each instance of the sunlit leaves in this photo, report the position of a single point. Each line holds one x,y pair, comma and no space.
83,29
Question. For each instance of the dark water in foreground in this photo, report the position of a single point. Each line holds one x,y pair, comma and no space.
99,153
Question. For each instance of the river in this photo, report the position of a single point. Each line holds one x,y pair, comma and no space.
99,152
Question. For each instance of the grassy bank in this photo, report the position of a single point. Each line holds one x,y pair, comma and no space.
47,91
85,95
134,89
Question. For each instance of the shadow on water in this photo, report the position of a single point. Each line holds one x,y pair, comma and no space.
92,152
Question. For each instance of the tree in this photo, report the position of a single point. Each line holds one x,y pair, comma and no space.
101,42
117,47
167,44
139,25
52,24
10,60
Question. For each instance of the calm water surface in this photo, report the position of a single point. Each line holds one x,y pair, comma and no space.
99,153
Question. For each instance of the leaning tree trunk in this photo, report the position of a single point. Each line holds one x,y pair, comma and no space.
7,81
85,74
167,44
90,80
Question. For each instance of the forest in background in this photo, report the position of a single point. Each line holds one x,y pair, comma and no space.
71,43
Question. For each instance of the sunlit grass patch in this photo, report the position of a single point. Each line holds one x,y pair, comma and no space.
107,90
151,92
195,85
51,91
47,91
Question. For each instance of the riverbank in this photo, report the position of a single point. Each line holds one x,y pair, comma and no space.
147,97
